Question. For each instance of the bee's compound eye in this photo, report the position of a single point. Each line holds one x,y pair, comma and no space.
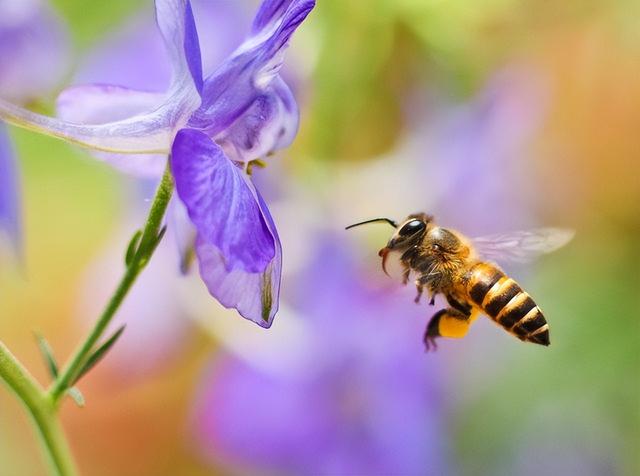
411,227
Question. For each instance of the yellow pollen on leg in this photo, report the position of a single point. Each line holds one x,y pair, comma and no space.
453,327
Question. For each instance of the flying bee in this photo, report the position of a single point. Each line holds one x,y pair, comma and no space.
443,261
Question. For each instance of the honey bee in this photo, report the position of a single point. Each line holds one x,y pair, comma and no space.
444,261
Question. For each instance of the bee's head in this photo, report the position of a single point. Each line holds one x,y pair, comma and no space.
409,233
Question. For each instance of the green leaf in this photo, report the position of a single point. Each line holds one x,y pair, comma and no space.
47,353
132,249
98,354
76,396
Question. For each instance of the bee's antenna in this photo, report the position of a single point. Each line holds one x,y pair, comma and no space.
388,220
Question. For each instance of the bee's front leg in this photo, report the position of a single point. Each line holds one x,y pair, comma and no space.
421,283
419,287
405,275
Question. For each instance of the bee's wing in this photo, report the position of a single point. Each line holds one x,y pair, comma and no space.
522,246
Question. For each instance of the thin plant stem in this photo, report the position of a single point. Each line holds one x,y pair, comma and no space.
150,235
42,410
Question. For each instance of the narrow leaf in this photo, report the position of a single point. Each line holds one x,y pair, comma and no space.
76,396
158,239
47,353
99,353
149,248
132,249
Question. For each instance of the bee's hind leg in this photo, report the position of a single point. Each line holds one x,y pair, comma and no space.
448,322
432,332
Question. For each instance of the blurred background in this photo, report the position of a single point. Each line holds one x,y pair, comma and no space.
494,117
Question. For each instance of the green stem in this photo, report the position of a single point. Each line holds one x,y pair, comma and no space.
146,247
42,410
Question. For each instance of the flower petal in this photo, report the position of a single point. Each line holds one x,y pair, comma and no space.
10,221
289,114
270,123
291,19
150,132
220,202
248,73
269,12
102,103
99,104
254,295
178,30
237,246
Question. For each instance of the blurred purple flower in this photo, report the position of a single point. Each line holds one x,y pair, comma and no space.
212,128
34,48
482,152
362,398
35,52
10,216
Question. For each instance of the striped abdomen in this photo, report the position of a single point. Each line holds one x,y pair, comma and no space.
502,299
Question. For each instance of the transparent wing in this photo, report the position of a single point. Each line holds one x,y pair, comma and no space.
522,246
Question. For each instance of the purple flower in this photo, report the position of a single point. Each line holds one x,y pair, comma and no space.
34,51
352,394
212,127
